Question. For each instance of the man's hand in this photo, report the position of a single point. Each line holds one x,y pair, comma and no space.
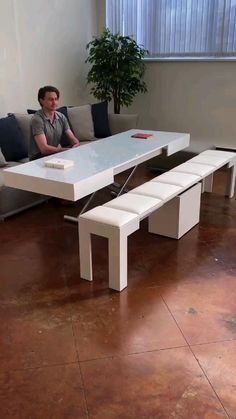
43,146
73,140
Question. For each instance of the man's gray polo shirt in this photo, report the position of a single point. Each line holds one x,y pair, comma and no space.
41,124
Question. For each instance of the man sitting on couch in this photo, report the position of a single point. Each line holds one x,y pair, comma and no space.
48,126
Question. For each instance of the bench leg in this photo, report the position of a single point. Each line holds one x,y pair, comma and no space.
230,181
207,183
85,252
118,261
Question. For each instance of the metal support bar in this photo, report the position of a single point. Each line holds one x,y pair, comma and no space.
127,180
122,188
75,219
87,203
70,218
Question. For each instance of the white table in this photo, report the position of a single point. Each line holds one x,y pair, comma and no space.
95,164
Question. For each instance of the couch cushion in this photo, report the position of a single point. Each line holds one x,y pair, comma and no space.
81,121
1,178
11,139
3,161
100,120
65,142
24,121
122,122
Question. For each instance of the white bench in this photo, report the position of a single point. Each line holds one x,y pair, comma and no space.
119,218
216,159
180,214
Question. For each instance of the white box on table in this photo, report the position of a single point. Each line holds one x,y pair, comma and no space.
59,163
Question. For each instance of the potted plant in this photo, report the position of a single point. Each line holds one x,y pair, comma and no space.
117,69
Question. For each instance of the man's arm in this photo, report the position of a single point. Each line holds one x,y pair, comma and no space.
43,146
73,140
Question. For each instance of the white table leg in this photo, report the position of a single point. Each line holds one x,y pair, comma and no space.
85,252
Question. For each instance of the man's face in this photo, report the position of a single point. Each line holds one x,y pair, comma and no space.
50,101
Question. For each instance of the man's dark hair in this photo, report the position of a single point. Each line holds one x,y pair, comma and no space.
43,90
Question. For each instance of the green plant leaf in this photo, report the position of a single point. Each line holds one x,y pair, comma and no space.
117,68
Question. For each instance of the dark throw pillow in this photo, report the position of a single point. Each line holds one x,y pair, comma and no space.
12,142
100,120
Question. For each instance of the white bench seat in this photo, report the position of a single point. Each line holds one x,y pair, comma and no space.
157,190
198,169
228,155
141,205
185,180
175,194
206,163
216,161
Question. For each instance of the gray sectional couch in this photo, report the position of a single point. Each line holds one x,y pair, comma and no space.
89,123
13,151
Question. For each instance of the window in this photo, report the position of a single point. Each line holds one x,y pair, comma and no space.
177,28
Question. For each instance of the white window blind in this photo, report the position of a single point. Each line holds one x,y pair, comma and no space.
177,28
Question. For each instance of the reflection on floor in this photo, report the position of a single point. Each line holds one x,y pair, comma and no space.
163,348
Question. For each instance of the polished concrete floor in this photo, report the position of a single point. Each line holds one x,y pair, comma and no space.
163,348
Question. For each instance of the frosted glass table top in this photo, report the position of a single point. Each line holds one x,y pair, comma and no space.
110,156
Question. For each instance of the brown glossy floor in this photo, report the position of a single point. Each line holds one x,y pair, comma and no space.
163,348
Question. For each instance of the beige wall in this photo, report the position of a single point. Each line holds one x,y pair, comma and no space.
101,15
195,97
43,42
